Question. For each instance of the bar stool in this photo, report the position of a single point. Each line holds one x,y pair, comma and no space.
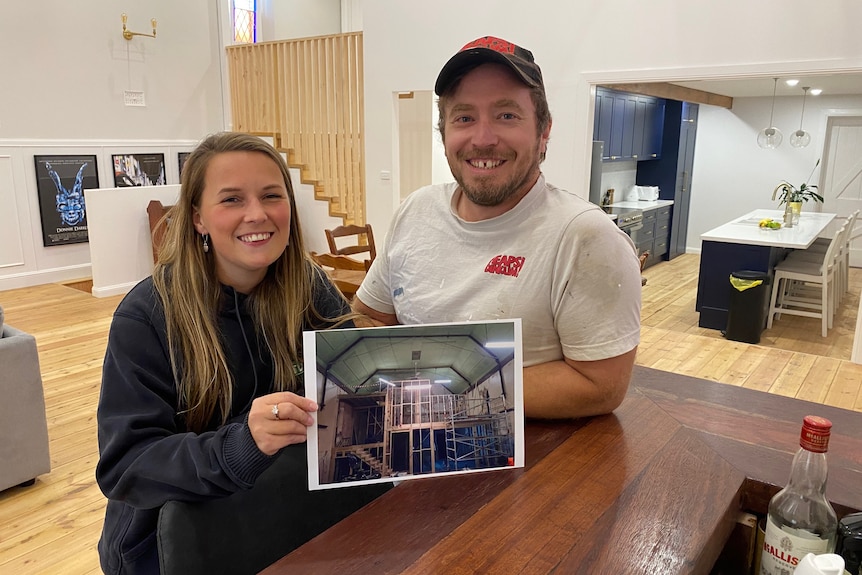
841,255
807,288
820,245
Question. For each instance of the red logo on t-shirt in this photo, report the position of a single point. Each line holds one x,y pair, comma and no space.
505,265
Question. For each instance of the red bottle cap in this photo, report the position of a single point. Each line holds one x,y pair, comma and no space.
815,434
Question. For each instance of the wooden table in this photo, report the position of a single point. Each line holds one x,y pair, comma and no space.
652,488
741,245
347,281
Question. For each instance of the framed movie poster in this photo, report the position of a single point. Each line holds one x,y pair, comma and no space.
181,158
60,183
132,170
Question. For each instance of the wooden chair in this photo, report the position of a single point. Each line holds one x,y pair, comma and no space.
364,241
642,259
346,273
158,215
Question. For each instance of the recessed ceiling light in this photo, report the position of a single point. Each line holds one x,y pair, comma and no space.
791,82
816,91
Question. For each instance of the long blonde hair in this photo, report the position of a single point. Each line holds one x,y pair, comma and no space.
185,279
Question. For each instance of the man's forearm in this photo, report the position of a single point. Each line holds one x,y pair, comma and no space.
566,389
372,317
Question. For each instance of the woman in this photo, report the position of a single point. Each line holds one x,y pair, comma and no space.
202,378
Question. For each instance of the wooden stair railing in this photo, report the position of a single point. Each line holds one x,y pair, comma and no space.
308,94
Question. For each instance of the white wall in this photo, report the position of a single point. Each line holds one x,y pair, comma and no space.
303,18
65,66
120,243
406,44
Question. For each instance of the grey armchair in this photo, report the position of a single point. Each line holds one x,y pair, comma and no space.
23,425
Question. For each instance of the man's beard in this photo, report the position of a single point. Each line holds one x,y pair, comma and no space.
486,192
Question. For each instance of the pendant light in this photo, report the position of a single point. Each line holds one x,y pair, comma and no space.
800,138
770,137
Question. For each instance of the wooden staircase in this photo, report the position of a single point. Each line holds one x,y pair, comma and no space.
365,455
307,95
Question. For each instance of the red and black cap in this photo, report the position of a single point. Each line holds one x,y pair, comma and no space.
490,49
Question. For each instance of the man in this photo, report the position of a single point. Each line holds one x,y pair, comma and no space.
501,243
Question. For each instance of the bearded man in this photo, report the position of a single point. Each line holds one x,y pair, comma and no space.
501,243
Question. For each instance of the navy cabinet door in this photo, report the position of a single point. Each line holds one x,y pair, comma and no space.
653,128
631,146
614,146
602,120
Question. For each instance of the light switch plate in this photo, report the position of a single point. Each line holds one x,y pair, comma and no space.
133,98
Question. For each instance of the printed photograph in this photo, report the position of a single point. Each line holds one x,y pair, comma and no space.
132,170
405,402
60,183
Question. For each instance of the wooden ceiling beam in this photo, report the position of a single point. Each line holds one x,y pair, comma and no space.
674,92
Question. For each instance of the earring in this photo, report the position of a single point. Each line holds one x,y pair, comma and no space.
206,243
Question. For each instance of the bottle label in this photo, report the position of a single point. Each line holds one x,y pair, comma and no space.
784,549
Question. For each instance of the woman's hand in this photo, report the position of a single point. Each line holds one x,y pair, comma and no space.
280,419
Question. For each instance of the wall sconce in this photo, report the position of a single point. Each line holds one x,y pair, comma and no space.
128,34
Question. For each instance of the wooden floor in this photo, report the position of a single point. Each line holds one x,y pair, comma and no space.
53,526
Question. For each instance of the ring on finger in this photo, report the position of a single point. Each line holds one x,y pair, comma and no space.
275,410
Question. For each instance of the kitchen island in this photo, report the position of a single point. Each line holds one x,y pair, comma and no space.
742,245
654,487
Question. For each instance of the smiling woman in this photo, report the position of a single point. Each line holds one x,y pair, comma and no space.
209,347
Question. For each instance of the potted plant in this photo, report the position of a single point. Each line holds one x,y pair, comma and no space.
794,196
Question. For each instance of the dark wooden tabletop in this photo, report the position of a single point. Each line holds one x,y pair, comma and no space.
654,487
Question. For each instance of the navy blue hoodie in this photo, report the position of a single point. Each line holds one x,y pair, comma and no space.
147,455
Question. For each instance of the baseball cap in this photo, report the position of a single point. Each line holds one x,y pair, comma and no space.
490,49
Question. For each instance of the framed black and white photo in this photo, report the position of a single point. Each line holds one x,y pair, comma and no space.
132,170
181,159
60,183
410,401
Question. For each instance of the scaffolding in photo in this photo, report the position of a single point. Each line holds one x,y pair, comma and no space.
407,430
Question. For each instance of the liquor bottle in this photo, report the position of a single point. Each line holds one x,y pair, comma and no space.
800,519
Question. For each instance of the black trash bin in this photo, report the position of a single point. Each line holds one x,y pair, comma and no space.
746,315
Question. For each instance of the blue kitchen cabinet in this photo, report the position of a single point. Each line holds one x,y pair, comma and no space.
653,113
654,235
672,173
602,124
629,124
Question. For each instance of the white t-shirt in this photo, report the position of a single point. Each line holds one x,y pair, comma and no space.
555,260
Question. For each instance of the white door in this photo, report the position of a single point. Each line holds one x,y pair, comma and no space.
841,175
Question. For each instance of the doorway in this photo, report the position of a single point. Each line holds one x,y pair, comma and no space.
421,156
841,173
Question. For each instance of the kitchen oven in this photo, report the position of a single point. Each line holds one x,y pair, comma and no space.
629,220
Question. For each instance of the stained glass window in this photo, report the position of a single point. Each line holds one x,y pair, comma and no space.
245,21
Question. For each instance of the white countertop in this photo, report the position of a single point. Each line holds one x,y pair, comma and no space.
745,230
643,204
